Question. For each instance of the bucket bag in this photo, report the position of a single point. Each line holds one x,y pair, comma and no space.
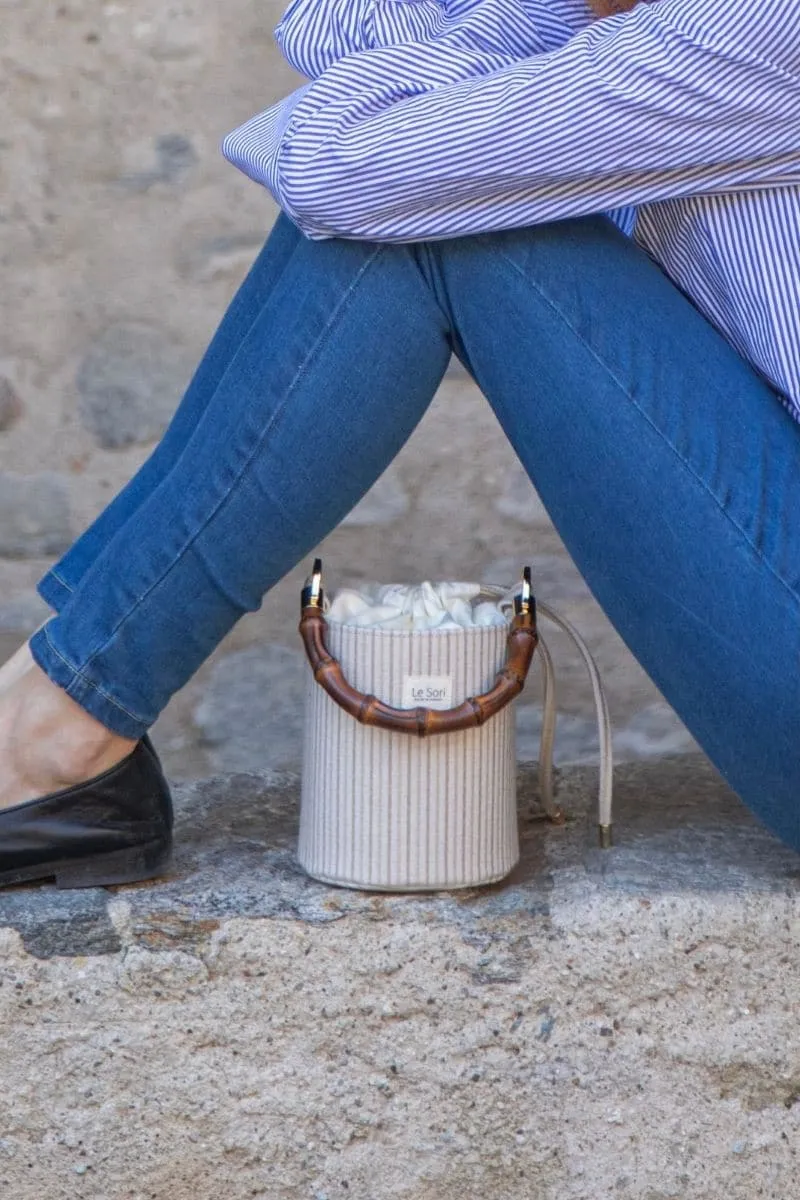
409,754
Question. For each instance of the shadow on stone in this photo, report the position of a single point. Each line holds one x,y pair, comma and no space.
680,831
53,923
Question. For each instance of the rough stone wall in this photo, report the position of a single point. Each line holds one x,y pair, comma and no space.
123,235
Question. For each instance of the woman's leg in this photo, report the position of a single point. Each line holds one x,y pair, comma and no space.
324,389
665,462
669,467
57,585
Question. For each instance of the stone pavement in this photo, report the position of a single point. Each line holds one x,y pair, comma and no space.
602,1025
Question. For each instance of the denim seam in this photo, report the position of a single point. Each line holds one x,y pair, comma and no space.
62,581
319,342
646,416
91,684
53,572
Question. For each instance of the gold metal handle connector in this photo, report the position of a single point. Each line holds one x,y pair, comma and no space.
312,595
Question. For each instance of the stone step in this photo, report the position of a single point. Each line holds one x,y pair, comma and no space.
603,1024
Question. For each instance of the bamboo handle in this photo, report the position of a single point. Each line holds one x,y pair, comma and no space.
476,710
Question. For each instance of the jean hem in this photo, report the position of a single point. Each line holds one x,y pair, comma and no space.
88,695
53,590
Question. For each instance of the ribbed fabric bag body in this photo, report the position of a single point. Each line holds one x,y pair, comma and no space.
387,811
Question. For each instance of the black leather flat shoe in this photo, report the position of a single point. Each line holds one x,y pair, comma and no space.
114,828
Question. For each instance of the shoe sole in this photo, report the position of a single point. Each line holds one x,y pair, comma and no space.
131,865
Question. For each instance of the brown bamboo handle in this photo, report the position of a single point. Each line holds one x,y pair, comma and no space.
476,710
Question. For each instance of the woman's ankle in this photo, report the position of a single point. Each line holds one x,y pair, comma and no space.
19,662
49,736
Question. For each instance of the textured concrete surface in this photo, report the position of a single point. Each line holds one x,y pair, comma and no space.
123,235
599,1026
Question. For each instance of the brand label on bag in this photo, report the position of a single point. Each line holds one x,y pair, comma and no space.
428,691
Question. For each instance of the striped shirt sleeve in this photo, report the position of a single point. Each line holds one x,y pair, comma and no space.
314,34
429,140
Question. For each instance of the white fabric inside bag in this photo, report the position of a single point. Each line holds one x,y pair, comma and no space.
426,605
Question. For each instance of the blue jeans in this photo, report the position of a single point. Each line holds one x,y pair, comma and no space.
668,466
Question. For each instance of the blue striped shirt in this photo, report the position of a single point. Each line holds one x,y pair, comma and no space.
429,119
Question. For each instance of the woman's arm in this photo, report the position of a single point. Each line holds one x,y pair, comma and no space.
671,99
314,34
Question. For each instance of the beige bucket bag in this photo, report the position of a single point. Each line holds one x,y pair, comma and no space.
409,758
